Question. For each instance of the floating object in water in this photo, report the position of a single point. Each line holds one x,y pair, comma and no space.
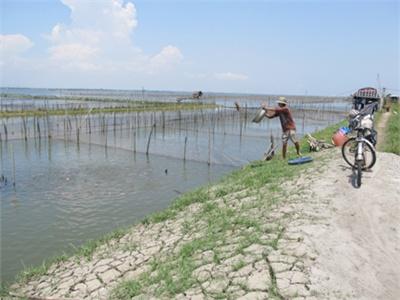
300,160
166,171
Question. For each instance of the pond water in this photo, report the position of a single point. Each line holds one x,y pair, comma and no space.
66,195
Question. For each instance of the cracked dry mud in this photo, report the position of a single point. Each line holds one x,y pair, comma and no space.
309,245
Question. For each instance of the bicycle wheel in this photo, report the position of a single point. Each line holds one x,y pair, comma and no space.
349,150
359,173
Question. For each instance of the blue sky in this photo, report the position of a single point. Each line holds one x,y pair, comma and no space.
280,47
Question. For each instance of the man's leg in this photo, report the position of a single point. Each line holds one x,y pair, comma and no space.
285,138
297,145
292,136
284,149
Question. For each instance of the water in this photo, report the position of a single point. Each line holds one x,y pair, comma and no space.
225,99
66,195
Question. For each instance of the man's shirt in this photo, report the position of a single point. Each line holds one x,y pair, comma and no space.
286,118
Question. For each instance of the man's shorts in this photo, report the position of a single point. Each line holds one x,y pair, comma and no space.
289,134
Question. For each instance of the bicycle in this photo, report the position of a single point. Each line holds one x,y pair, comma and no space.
359,151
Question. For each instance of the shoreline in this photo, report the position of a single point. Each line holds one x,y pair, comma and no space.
182,201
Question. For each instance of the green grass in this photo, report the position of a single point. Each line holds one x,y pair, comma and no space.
86,250
4,292
36,271
237,266
196,196
127,290
392,139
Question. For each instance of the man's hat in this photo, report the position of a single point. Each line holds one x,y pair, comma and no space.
282,100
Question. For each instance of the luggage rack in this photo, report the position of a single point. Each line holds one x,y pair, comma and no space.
368,92
365,96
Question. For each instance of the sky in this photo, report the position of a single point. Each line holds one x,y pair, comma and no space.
273,47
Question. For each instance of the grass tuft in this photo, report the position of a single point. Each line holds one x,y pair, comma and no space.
127,290
392,139
32,272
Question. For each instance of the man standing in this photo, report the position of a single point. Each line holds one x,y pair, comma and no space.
287,123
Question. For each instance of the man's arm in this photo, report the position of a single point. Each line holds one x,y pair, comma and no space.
280,109
270,116
269,112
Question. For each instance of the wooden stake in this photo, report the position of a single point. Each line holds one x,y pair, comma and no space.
148,141
184,149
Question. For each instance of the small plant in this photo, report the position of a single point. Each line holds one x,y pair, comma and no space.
221,192
186,226
237,266
87,249
4,292
33,272
126,290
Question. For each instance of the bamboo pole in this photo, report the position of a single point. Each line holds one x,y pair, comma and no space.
209,147
38,128
5,131
184,149
13,161
148,141
134,142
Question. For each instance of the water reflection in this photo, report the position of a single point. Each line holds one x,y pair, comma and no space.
80,194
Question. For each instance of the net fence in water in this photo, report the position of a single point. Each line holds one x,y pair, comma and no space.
215,136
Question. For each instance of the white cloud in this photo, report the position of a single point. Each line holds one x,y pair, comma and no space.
72,51
62,34
12,45
111,16
99,37
230,76
168,57
74,56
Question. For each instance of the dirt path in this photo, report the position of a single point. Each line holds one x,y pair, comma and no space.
381,129
359,249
